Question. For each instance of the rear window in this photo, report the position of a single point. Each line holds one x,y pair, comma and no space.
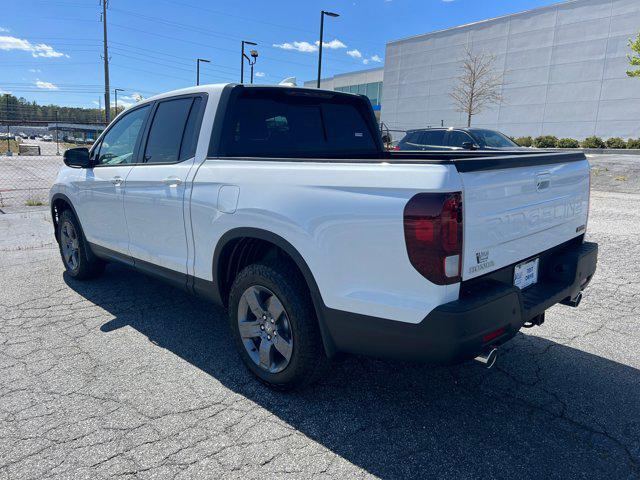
290,123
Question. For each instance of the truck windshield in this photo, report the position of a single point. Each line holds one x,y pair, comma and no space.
269,122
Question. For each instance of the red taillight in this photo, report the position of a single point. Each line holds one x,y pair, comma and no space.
396,147
493,335
433,234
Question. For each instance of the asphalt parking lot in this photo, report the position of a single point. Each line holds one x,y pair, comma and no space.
127,377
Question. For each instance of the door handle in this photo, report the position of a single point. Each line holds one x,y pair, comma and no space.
117,180
172,181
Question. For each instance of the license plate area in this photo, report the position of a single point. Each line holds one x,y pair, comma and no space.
525,274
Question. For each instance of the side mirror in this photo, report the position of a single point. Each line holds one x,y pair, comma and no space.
469,146
77,157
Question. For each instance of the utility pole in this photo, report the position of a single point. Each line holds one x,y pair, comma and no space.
107,100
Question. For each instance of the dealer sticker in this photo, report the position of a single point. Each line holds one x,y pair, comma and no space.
525,274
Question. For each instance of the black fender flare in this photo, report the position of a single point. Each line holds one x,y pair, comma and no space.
61,196
292,252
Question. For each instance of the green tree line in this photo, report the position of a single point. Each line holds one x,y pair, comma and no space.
18,108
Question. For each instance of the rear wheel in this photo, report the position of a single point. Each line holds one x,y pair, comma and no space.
275,327
77,259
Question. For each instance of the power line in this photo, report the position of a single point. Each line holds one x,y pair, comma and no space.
186,63
197,29
254,20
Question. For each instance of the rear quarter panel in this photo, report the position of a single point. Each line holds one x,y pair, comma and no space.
345,219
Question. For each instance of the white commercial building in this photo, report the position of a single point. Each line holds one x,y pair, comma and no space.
564,68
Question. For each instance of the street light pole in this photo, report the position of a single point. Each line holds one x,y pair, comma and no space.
115,91
243,56
254,55
198,69
322,14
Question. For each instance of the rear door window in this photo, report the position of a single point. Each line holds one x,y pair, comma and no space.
433,137
192,130
457,138
272,123
167,131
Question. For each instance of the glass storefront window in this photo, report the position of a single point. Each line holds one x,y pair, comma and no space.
372,93
372,90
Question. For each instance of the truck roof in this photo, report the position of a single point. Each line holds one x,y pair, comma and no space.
216,88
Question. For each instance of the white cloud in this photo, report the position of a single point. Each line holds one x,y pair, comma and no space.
354,53
35,70
333,44
260,74
2,29
4,92
126,101
96,103
307,47
38,50
134,97
45,85
373,58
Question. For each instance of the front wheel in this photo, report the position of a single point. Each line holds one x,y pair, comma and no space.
77,259
275,327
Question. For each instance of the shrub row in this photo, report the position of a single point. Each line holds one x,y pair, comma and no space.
550,141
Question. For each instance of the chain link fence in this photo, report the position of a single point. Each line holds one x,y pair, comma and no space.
31,155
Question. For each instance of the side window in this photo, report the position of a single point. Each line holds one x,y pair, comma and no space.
118,145
457,138
413,137
192,130
167,130
433,137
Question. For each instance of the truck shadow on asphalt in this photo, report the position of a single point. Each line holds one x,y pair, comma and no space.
546,410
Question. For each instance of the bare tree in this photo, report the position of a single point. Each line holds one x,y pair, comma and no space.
478,85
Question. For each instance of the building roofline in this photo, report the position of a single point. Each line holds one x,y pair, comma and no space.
339,75
480,22
356,72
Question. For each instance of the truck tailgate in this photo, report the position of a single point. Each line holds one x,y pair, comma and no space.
512,214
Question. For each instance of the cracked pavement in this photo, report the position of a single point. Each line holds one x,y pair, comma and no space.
125,377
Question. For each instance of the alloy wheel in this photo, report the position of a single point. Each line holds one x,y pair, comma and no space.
70,243
265,329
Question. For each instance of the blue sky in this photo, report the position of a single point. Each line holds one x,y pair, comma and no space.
50,51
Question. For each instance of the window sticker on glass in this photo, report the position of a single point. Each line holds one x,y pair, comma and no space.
359,134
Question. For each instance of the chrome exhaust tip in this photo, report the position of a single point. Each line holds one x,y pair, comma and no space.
488,358
575,301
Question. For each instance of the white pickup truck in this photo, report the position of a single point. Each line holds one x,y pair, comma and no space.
281,204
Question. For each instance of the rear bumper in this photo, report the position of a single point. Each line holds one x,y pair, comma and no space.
457,331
